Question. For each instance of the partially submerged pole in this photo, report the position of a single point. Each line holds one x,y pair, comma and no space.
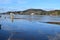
0,26
0,16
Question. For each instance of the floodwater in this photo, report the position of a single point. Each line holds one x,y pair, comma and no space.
27,27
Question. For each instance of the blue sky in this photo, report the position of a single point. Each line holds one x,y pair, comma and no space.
13,5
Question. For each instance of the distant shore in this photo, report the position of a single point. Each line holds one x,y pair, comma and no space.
35,12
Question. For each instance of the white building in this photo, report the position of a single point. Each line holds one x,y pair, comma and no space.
32,13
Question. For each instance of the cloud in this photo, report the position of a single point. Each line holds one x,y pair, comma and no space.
5,1
13,1
22,1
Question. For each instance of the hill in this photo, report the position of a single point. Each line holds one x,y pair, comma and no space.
35,11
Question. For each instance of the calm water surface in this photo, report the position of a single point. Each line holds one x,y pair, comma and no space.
29,28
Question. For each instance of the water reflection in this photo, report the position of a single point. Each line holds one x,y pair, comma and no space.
40,18
29,28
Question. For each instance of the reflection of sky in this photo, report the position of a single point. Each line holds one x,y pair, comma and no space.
28,28
26,25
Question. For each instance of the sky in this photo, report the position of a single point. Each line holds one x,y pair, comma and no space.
17,5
